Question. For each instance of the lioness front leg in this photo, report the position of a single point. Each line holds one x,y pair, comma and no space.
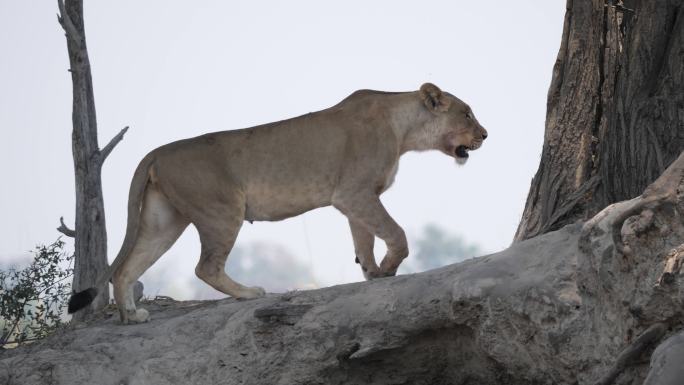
363,248
367,210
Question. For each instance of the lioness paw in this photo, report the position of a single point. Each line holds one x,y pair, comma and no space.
251,293
136,317
378,274
141,315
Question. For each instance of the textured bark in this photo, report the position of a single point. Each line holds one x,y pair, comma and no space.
90,231
615,110
567,307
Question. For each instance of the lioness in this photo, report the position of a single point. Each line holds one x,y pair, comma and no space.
345,156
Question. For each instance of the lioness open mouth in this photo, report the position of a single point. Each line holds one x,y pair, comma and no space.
462,151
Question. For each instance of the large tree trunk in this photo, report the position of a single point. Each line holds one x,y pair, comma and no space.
90,232
615,113
583,305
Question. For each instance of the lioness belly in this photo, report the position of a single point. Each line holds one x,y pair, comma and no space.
273,204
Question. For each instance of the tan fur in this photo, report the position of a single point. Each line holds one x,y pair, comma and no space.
344,156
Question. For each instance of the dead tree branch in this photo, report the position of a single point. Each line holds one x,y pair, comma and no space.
104,153
64,229
66,23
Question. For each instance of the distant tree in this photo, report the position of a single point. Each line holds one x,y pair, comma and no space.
90,232
436,248
272,265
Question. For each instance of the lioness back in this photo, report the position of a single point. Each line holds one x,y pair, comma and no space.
283,168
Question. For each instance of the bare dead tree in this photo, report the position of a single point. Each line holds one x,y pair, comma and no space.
90,232
615,110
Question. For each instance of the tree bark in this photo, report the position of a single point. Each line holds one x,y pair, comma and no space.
90,231
615,110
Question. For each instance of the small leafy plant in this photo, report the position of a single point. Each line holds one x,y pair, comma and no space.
32,299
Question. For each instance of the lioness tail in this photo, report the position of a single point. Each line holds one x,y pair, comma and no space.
135,196
81,299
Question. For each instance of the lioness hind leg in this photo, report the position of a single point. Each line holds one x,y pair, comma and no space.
218,229
160,227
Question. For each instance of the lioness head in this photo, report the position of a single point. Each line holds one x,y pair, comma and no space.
457,129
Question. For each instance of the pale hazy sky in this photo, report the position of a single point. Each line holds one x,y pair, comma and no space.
177,69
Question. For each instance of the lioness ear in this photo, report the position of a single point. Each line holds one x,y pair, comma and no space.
433,98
